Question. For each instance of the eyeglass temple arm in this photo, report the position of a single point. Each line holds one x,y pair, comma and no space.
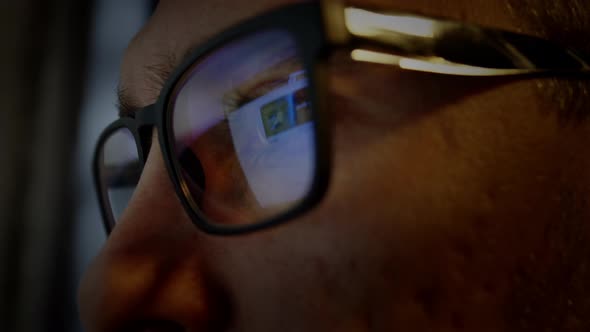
425,44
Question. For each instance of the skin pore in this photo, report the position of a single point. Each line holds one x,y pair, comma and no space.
454,205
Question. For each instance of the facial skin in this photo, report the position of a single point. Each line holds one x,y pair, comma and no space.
454,205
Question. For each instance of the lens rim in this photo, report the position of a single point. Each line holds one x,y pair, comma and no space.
303,23
102,192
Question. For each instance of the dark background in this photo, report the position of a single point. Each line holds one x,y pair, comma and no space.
59,61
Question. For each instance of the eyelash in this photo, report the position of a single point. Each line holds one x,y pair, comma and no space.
239,98
278,75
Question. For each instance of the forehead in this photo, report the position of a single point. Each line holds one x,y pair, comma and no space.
179,25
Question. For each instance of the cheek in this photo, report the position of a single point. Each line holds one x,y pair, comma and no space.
427,225
445,212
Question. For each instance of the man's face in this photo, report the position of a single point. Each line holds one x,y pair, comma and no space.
454,204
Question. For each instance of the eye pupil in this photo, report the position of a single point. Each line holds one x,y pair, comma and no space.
193,167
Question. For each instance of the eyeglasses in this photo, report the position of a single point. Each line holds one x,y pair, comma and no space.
241,123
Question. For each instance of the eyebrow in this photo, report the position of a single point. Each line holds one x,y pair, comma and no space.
126,104
155,76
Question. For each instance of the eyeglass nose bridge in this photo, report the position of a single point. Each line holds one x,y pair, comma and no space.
146,120
146,116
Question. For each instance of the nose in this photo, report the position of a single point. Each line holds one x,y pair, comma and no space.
151,274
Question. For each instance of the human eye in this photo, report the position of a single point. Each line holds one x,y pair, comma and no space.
248,122
224,155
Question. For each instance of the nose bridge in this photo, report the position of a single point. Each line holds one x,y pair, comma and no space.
151,268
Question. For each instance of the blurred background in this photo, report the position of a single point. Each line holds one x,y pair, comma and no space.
59,65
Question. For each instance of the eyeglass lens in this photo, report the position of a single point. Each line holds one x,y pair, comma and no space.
243,130
119,172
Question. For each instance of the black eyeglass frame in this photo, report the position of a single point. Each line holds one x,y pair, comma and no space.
317,29
302,22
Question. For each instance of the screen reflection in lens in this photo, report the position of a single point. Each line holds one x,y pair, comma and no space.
243,112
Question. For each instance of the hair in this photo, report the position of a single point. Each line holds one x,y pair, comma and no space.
566,22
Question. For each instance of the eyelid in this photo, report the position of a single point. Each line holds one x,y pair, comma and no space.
277,75
236,98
